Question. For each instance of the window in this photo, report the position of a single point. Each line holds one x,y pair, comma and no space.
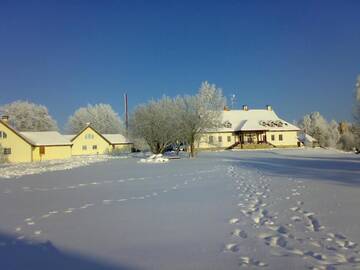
42,150
211,139
273,137
3,135
220,138
84,147
94,147
229,138
7,151
280,137
227,124
89,136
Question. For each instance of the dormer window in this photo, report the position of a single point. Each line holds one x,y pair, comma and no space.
262,123
227,124
272,123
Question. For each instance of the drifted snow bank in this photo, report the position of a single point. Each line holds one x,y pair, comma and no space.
159,158
17,170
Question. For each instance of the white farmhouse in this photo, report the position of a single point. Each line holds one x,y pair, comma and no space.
248,129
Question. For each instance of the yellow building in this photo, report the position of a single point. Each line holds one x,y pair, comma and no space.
32,146
249,129
91,142
118,142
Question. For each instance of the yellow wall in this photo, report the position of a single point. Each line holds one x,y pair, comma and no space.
205,143
125,147
20,149
81,140
289,138
52,152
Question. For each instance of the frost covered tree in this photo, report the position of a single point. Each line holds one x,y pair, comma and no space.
180,120
199,113
26,116
314,124
334,134
155,123
347,141
356,127
101,116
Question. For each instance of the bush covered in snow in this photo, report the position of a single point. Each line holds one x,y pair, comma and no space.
101,116
159,158
26,116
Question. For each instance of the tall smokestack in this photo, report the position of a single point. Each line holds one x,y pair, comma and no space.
126,112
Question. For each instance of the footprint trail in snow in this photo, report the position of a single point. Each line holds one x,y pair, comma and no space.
295,233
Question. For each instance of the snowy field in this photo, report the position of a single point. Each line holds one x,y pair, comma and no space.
278,209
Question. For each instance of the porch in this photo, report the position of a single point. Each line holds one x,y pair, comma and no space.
251,140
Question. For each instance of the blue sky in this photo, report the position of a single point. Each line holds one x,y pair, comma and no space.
299,56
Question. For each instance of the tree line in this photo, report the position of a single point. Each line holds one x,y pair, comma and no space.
168,121
344,135
156,125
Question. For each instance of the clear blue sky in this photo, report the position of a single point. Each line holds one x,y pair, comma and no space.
299,56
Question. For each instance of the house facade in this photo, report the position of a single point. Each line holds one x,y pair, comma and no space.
15,147
249,129
49,145
91,142
32,146
88,142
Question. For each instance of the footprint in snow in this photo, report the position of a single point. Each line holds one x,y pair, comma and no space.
247,261
107,201
232,247
240,233
234,221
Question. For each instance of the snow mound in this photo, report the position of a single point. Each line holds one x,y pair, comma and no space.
159,158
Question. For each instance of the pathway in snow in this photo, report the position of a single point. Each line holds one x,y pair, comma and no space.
287,234
32,225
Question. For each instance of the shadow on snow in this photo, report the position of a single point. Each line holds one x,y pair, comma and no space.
24,255
338,170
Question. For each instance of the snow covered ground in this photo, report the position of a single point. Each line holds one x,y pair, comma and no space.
16,170
278,209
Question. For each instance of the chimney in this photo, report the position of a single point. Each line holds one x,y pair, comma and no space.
245,108
226,109
268,107
5,118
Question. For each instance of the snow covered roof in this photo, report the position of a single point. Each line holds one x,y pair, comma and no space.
46,138
251,120
69,136
88,126
116,138
304,138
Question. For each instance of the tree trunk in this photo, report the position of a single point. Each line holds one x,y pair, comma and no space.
192,150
